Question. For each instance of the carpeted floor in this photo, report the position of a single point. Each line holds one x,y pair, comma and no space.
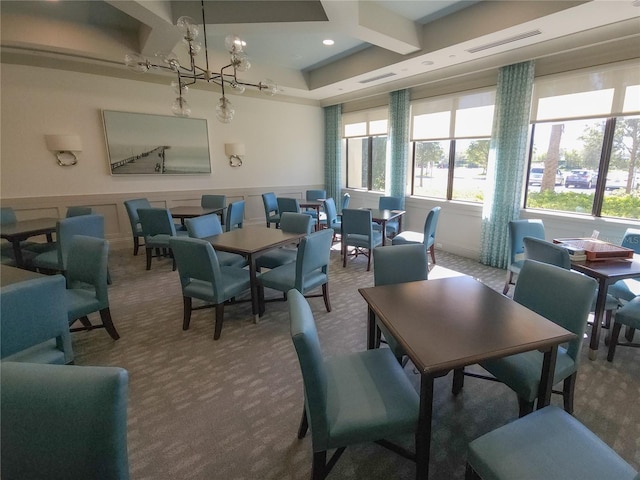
229,409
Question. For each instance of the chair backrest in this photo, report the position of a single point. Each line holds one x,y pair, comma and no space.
7,216
132,207
631,239
559,295
331,212
346,199
399,264
64,421
235,215
66,228
286,204
203,226
87,264
197,260
430,225
270,203
357,221
546,252
156,221
32,312
313,254
390,203
295,223
316,194
314,373
78,210
213,201
518,229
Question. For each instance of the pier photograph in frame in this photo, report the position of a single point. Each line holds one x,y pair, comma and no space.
145,144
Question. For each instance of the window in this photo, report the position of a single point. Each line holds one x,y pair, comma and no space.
585,132
451,145
365,135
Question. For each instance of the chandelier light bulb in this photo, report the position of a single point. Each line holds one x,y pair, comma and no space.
269,87
234,44
136,63
180,88
188,26
181,108
240,61
224,110
237,88
194,48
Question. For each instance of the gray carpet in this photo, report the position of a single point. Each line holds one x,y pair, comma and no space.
229,409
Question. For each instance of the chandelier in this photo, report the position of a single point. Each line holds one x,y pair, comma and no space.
188,75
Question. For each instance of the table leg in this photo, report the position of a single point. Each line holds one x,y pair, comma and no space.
598,315
255,306
371,330
383,225
17,253
423,432
546,377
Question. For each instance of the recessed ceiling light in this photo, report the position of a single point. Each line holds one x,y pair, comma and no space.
427,62
328,42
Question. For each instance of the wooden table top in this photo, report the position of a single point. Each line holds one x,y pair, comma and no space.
28,228
10,275
188,211
252,239
450,323
378,215
613,269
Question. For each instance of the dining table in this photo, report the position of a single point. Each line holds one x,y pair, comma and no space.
381,217
251,241
10,275
448,323
183,212
21,230
315,205
606,273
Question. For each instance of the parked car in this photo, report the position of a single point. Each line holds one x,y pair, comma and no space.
535,176
581,179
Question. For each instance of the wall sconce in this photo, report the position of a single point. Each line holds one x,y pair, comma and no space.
234,151
65,148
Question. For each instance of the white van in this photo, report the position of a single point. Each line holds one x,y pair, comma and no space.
535,176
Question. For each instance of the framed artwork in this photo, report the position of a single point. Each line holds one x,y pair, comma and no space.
144,144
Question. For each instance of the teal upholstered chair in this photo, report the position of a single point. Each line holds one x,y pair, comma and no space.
563,297
553,254
87,290
312,195
629,288
351,399
63,422
427,237
202,277
390,203
310,270
207,226
235,215
7,257
286,204
518,229
346,199
358,232
66,228
271,213
399,264
136,228
628,315
292,223
78,210
215,201
331,217
158,229
548,444
33,322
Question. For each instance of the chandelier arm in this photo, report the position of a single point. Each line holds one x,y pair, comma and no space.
204,31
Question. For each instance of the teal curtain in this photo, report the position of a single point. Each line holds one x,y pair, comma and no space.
332,151
507,161
398,146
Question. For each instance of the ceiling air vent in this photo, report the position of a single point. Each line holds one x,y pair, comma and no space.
379,77
504,41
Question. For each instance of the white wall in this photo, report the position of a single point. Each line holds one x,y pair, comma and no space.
284,141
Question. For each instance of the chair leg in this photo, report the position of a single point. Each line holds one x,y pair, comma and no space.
613,341
344,256
304,424
136,245
568,391
186,316
319,465
525,408
105,315
458,381
149,255
629,332
508,282
432,251
470,473
325,296
219,317
369,261
85,322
